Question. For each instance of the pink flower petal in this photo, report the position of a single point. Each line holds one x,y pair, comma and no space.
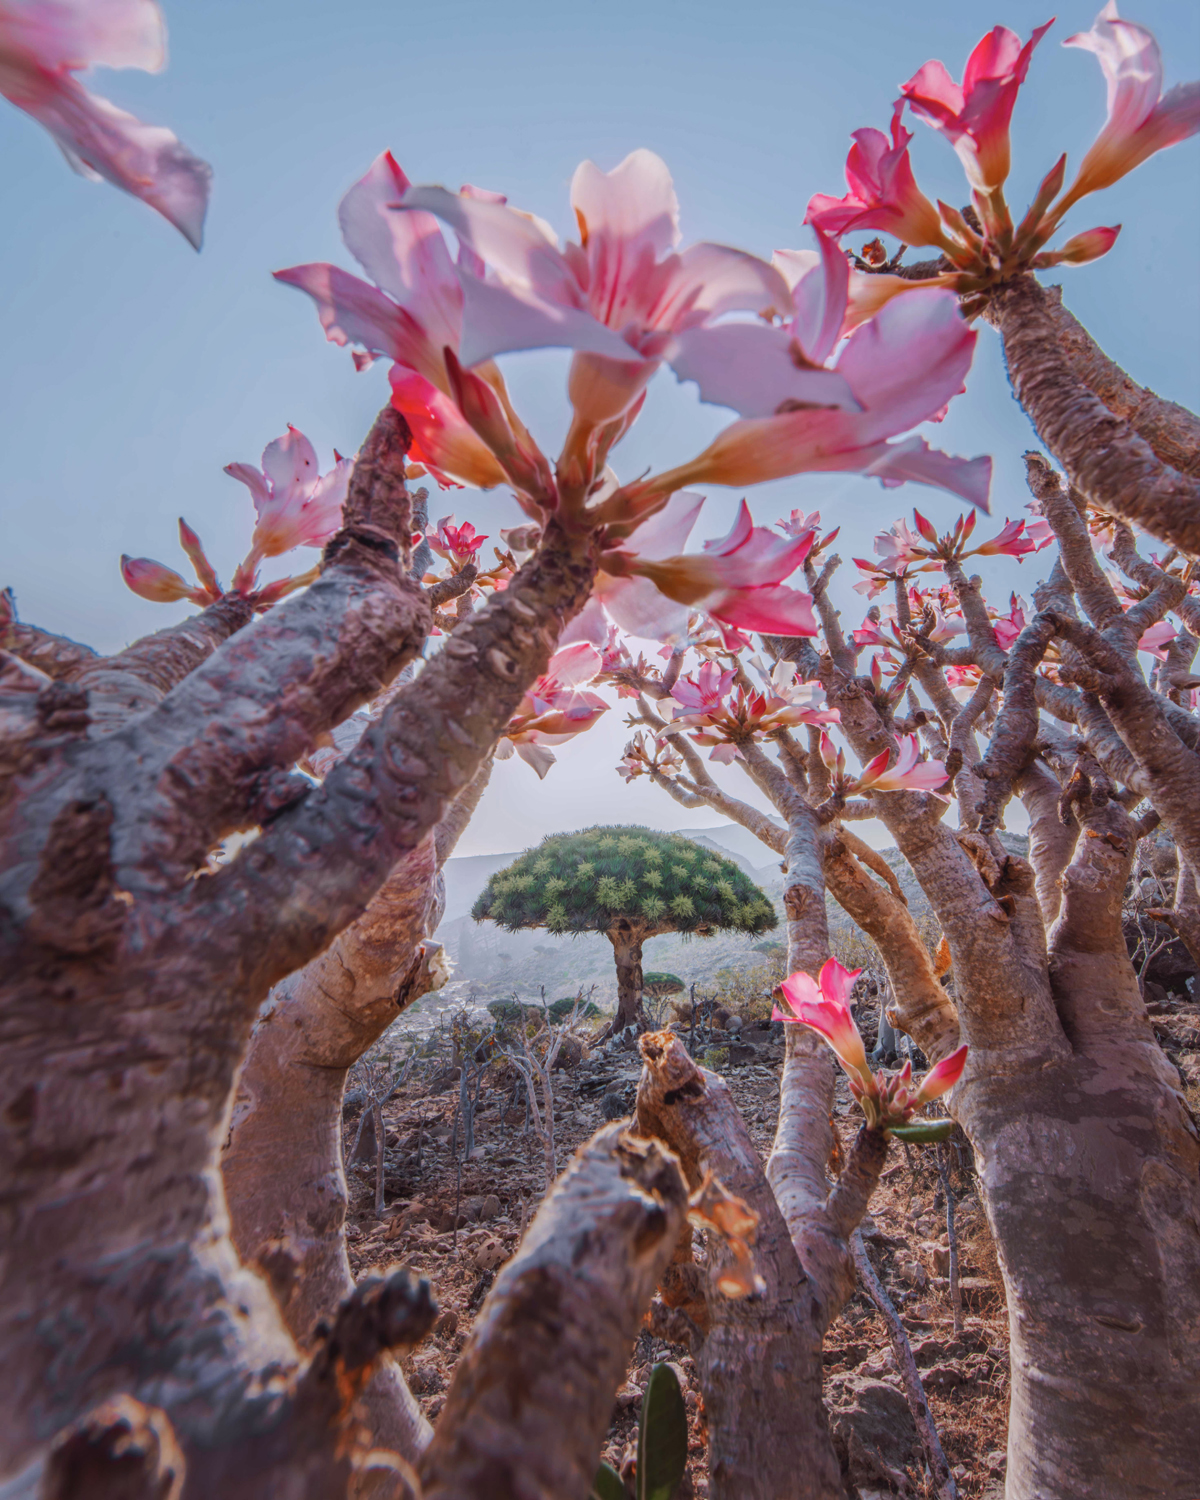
404,254
353,312
1139,121
100,140
941,1079
520,247
498,319
750,367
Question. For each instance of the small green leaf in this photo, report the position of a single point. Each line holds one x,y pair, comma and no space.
608,1485
663,1439
924,1132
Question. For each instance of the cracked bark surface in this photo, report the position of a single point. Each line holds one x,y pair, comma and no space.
1106,458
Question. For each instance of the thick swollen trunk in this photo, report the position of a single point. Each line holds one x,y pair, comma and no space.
282,1162
627,950
134,979
1105,455
1090,1170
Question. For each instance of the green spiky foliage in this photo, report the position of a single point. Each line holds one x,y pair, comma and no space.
631,884
659,984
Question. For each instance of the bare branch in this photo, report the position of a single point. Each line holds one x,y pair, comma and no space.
452,587
532,1392
745,1389
1075,554
907,1365
1016,728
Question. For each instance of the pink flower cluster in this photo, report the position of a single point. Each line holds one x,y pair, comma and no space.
974,117
724,719
295,505
556,708
888,1100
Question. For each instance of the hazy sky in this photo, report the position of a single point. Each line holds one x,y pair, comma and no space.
134,370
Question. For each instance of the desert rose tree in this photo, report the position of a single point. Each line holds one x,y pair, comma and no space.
109,821
135,967
631,884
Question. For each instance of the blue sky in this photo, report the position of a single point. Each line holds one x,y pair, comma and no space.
133,369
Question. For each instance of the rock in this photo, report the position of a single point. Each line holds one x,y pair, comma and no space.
977,1291
447,1324
945,1377
937,1256
873,1430
735,1025
613,1106
490,1208
426,1379
741,1052
720,1018
490,1255
440,1082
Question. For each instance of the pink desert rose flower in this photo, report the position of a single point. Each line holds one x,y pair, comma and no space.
824,1005
909,774
901,368
296,505
42,44
1017,539
1141,118
616,296
1006,628
942,1078
974,116
888,1099
555,709
738,580
411,314
457,544
703,693
883,192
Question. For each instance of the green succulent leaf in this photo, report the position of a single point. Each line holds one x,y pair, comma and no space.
663,1438
608,1485
923,1132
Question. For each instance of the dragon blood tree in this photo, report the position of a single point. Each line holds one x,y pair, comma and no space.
631,884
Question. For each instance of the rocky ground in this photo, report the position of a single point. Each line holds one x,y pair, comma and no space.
456,1221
